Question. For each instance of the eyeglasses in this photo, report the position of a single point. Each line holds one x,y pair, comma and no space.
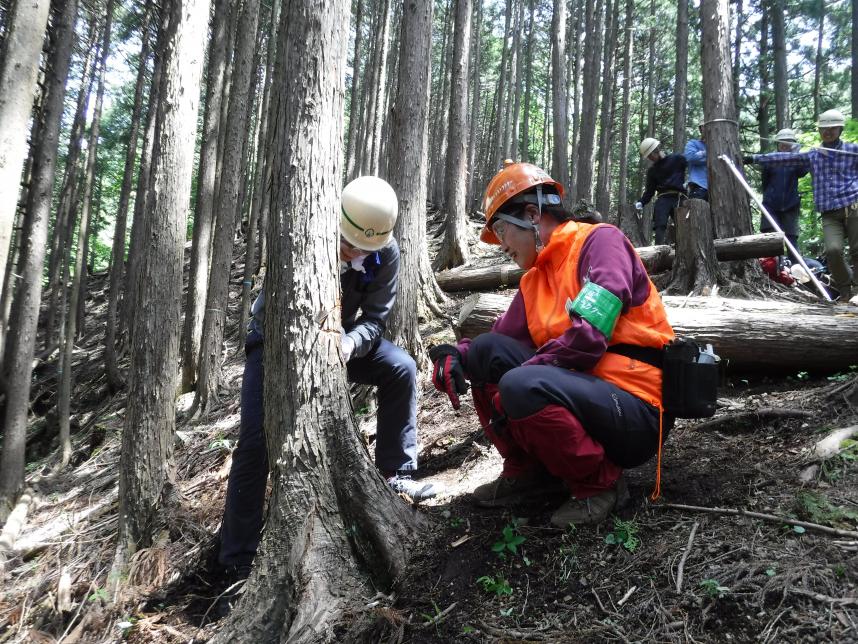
499,228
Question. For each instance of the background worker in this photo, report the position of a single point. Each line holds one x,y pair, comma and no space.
698,175
368,276
780,190
557,383
666,176
834,174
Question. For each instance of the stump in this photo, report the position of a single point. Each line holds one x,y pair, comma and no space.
695,266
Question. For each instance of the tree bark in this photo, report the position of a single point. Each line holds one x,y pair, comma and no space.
354,97
64,395
146,459
753,335
695,266
438,108
680,91
782,116
765,84
143,191
729,205
418,294
202,235
115,380
650,72
513,142
606,117
559,106
375,116
737,51
655,258
854,73
498,151
474,119
19,68
589,101
820,60
217,297
623,190
25,313
328,502
454,248
524,147
263,179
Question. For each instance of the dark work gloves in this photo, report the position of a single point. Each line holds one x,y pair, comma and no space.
747,159
448,376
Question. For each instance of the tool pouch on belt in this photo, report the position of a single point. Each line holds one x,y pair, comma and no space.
690,375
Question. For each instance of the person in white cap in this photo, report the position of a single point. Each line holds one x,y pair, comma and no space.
780,190
834,173
666,176
368,276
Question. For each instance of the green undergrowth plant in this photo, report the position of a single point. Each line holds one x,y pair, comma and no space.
625,534
495,584
713,588
566,558
833,469
815,507
510,539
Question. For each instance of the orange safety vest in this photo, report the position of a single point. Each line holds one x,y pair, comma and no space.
554,278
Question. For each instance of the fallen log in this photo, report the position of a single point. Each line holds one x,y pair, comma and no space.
655,258
751,334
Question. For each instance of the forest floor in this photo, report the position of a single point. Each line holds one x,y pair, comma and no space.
653,572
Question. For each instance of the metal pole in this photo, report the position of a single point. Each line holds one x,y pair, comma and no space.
792,249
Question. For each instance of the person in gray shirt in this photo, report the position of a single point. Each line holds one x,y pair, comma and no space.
369,271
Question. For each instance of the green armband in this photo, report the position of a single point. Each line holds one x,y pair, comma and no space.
598,306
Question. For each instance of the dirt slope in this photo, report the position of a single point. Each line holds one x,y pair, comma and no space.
743,579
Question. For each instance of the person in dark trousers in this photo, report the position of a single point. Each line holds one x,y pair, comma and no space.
560,384
368,275
698,174
834,176
666,176
780,190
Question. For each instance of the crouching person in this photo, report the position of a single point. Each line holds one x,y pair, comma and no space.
368,276
563,384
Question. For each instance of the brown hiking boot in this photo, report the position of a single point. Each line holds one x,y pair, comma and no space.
508,491
591,510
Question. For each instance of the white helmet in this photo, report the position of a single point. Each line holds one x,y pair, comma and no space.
786,135
831,118
648,146
369,209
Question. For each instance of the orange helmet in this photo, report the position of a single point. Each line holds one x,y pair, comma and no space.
512,180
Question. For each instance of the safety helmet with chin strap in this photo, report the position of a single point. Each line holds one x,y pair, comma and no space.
368,213
513,185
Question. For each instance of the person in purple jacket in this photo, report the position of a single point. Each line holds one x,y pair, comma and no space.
567,385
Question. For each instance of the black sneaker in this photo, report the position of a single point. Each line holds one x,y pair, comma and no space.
417,490
234,577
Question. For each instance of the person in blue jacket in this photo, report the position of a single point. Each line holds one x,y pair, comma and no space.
780,190
369,270
698,177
